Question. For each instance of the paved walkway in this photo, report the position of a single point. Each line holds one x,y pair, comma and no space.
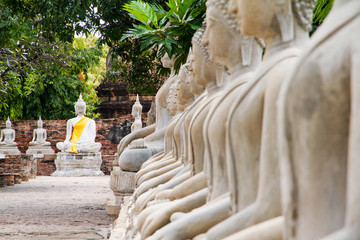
55,208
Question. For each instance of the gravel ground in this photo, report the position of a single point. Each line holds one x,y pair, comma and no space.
55,208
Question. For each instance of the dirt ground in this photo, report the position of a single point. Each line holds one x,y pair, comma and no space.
55,208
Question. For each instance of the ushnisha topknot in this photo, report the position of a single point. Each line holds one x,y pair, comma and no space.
197,40
222,6
185,67
303,11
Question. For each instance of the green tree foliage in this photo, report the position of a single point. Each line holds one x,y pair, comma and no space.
62,19
39,76
322,9
171,30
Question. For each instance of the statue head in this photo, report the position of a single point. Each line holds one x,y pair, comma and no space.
8,123
80,106
40,123
136,108
227,46
278,17
184,96
151,115
171,100
168,62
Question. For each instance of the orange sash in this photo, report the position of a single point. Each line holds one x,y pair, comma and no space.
78,128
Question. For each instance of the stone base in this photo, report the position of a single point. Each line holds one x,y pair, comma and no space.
122,183
9,150
36,149
78,164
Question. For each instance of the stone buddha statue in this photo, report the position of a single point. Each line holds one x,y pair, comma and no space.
154,134
7,137
251,137
7,140
241,55
319,132
136,113
80,132
179,134
184,98
39,135
38,144
206,75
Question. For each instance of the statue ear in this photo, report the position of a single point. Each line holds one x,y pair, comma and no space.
246,50
220,75
285,20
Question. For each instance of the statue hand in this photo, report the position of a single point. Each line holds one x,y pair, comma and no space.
124,143
157,219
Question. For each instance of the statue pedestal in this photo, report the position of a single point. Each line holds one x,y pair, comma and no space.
39,149
122,183
77,164
9,150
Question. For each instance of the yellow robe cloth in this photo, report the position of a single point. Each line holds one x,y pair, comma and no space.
78,128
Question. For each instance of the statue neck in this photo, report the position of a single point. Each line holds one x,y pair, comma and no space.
276,44
237,70
80,115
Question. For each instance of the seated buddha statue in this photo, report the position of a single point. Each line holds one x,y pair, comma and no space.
206,75
251,137
80,132
136,113
319,132
154,134
39,135
241,55
7,137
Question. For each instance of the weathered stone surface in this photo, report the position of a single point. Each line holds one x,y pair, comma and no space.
77,165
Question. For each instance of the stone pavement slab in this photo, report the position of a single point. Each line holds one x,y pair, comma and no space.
55,208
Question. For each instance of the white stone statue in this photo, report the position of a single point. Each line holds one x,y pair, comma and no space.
39,135
138,146
319,132
80,132
7,140
38,144
241,55
8,135
251,138
136,113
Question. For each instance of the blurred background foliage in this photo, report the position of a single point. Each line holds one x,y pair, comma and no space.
51,50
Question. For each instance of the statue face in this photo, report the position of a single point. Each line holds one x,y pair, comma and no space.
39,124
80,109
8,124
258,17
135,113
196,65
183,90
218,36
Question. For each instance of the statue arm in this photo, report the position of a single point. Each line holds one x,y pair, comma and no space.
45,135
1,135
141,133
68,131
13,136
33,139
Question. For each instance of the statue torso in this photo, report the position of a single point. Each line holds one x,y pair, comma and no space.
318,104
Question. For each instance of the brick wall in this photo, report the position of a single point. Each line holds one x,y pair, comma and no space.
109,133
